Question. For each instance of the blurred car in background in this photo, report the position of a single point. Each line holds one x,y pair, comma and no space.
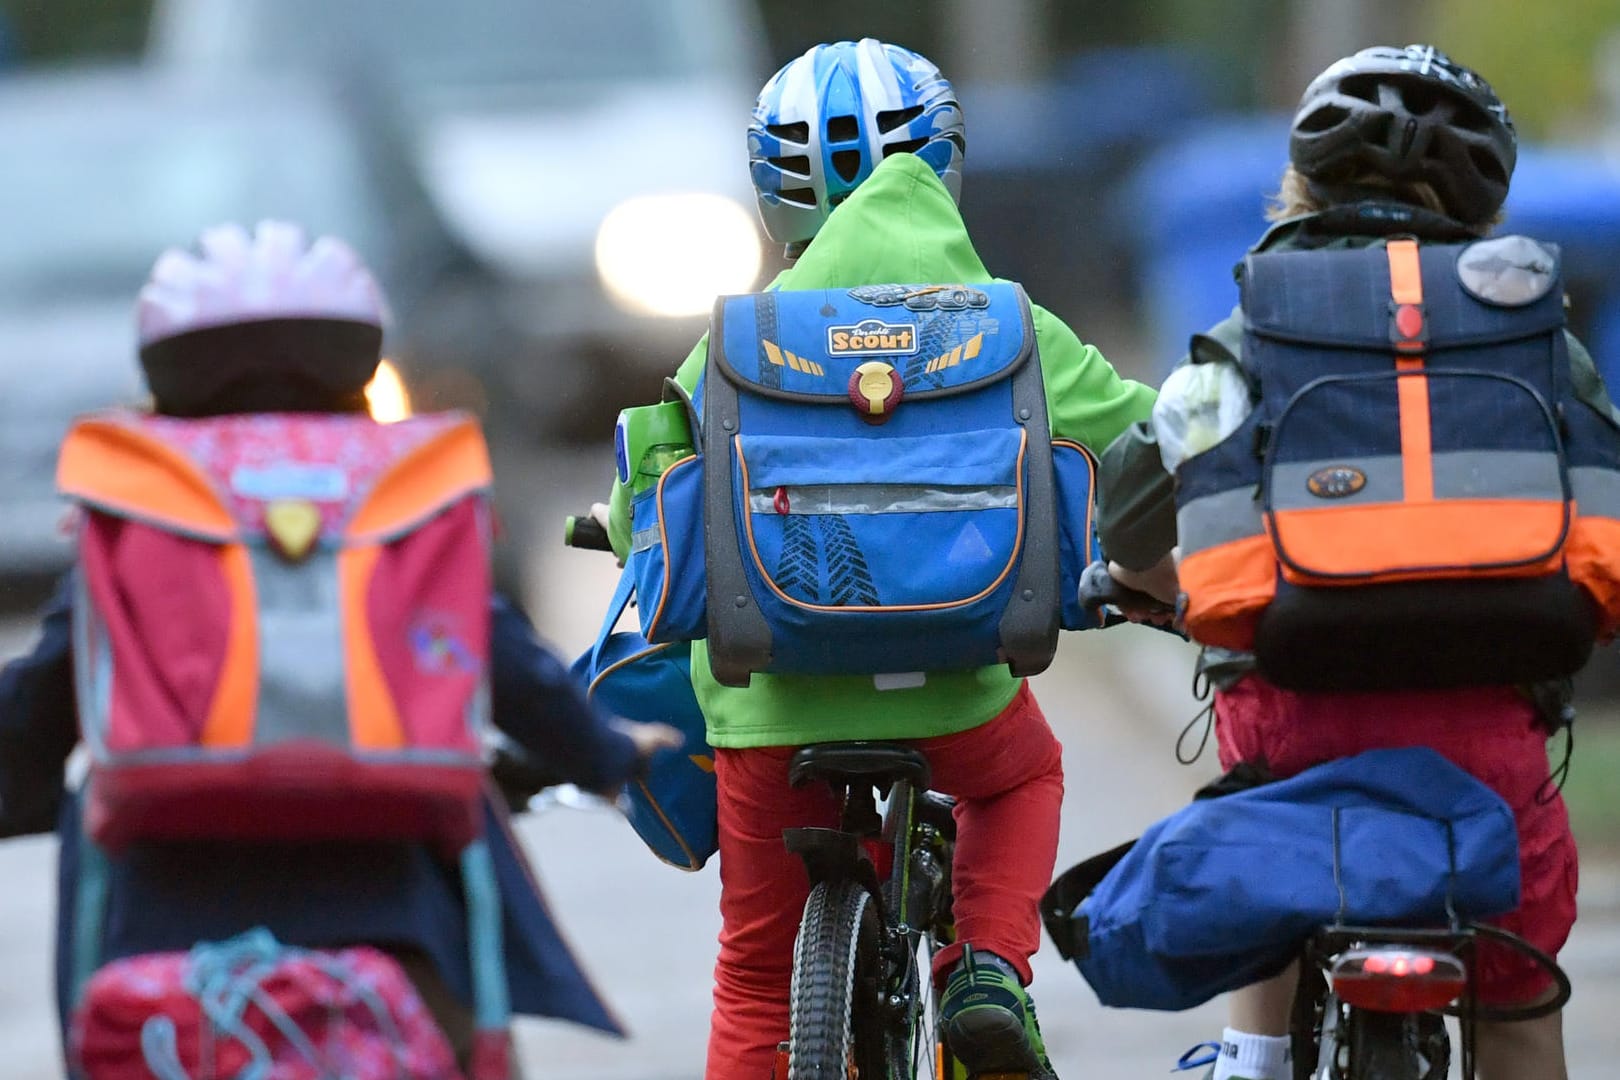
106,168
594,153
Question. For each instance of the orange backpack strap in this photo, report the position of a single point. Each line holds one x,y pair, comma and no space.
109,463
1409,333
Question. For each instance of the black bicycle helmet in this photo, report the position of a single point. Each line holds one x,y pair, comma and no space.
1407,114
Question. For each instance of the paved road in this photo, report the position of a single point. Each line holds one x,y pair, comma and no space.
647,932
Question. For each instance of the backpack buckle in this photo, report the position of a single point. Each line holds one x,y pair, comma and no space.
1408,328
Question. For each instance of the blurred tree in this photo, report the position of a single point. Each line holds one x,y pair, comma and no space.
53,29
1542,58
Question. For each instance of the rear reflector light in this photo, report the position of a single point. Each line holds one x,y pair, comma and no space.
1400,980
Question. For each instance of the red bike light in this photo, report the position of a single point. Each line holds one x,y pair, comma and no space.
1396,979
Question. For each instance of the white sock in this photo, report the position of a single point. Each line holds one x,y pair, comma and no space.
1254,1057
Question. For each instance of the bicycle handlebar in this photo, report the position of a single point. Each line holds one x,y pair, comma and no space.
583,531
1098,589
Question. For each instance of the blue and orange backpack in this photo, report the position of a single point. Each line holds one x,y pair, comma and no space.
1419,498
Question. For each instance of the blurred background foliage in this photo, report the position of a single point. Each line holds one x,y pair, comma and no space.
1542,58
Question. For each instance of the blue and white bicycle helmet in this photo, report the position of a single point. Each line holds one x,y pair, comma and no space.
824,121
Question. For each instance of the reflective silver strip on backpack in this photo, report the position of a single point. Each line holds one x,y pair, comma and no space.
879,499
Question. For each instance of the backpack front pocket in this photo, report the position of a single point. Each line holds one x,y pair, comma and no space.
666,554
1427,494
873,525
1075,472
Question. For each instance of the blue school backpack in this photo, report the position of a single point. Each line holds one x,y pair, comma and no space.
877,490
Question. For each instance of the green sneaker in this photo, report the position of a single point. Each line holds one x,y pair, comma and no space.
989,1021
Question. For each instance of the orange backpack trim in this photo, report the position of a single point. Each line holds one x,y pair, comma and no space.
231,714
1353,544
374,722
447,467
116,466
1227,586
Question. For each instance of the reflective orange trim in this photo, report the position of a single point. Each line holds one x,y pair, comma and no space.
119,468
1018,546
234,708
663,540
1460,537
1593,558
1412,386
1227,587
449,465
1405,272
373,717
1417,456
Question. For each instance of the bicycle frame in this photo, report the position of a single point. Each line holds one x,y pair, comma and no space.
1326,1023
1326,1011
914,838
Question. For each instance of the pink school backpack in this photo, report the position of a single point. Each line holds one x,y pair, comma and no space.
282,626
253,1007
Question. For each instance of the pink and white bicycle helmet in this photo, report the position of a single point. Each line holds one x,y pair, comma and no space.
266,305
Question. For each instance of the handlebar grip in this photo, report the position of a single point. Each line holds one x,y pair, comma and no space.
1098,588
582,531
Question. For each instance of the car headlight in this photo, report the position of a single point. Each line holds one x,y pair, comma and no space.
673,254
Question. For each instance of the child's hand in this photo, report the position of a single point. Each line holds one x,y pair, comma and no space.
1158,581
650,738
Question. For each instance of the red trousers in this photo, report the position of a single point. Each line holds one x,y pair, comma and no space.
1007,776
1491,733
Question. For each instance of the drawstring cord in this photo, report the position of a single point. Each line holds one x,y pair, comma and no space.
1201,692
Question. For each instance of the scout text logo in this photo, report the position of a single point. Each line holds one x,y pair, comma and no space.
872,337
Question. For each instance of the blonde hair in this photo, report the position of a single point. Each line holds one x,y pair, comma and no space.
1296,196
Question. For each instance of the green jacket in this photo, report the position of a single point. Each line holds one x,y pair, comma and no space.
1136,508
901,225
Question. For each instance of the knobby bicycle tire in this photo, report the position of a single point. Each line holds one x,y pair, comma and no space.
837,970
1397,1046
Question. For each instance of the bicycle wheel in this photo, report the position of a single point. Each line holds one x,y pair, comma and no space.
921,1054
1398,1046
836,1028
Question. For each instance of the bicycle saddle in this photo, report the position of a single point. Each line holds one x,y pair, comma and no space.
854,764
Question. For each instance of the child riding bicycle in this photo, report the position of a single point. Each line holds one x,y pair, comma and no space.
856,151
1391,149
270,323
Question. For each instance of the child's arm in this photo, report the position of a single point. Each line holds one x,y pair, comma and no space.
1086,400
38,723
535,700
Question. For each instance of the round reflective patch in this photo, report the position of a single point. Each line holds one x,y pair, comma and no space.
1509,271
1336,482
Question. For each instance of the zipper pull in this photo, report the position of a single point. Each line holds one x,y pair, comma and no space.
781,501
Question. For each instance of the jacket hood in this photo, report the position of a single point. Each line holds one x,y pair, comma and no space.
901,225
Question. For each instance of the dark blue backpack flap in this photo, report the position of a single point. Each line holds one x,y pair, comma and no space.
1228,889
806,345
672,806
1298,296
